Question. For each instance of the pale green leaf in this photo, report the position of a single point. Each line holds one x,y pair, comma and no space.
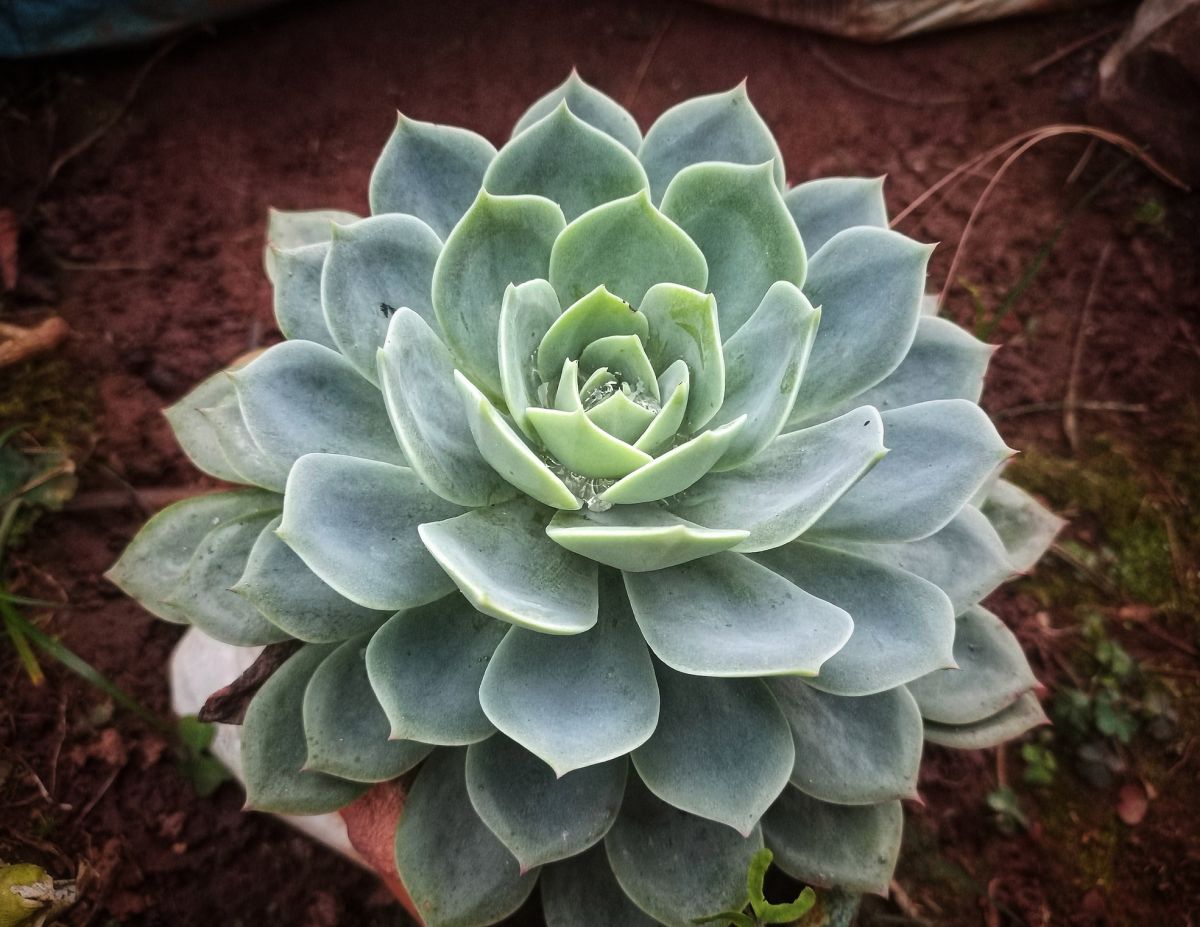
684,325
637,537
583,447
677,469
674,386
589,104
595,315
621,417
526,314
625,359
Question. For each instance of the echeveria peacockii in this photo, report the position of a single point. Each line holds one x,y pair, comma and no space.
628,493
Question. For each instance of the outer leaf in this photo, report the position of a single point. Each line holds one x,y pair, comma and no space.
583,892
243,454
429,171
764,363
300,398
868,283
596,315
416,374
677,469
501,240
719,127
297,295
852,751
375,267
457,873
1018,718
940,454
504,450
538,816
965,559
835,846
195,431
726,615
354,523
274,748
292,597
722,749
287,229
589,104
579,700
526,315
822,208
735,214
676,866
505,565
344,726
628,246
426,665
203,593
992,673
684,326
157,557
903,625
637,538
1026,527
564,159
780,493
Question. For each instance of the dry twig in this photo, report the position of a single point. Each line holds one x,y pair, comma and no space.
1071,402
18,344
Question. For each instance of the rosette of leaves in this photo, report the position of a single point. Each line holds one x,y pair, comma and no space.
631,498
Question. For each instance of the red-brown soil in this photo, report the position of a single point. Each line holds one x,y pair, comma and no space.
149,245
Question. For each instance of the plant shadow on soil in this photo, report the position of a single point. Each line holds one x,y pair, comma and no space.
148,244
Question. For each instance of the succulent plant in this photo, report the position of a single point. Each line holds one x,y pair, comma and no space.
640,503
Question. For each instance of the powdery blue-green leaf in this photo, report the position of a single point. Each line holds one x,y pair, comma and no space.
508,454
506,566
787,487
852,750
292,597
564,159
852,847
627,246
677,866
243,454
583,892
1021,716
455,870
583,447
297,292
429,171
736,215
579,700
589,104
677,469
727,615
992,673
195,431
416,374
345,727
965,559
203,592
1026,527
722,749
274,749
637,537
718,127
903,625
939,453
501,240
160,552
425,666
354,523
868,283
526,314
300,398
287,229
822,208
374,267
540,817
764,364
595,315
684,325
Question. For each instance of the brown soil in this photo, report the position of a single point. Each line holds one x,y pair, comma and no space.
149,245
